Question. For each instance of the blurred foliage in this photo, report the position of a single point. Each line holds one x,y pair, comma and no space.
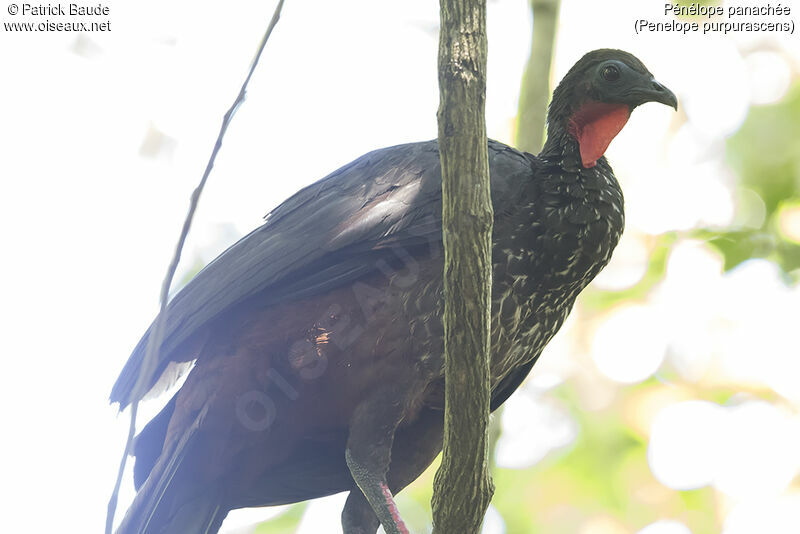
765,154
595,299
603,474
285,523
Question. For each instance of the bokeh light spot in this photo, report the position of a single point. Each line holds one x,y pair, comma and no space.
629,346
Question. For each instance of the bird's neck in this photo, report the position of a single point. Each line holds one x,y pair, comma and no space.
562,146
581,134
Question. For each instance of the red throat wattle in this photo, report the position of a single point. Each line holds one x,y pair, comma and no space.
594,125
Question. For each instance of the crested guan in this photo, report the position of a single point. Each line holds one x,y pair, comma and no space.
316,341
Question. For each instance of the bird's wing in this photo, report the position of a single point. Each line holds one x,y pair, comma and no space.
324,236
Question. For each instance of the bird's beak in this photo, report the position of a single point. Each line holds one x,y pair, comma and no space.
654,91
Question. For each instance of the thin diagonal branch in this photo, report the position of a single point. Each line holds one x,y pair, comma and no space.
154,342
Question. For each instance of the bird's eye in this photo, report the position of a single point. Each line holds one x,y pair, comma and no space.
610,73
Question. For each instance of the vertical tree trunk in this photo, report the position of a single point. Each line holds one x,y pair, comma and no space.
462,486
535,90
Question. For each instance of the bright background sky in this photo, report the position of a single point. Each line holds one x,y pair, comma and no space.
104,135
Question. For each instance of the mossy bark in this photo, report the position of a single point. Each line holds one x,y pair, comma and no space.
463,486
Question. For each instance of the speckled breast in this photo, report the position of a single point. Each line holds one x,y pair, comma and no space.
546,252
546,249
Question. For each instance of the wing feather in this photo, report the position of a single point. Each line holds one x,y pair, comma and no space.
322,237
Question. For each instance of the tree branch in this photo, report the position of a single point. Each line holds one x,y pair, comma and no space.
535,90
154,341
462,486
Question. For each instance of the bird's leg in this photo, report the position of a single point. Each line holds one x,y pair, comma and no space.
415,447
368,453
358,516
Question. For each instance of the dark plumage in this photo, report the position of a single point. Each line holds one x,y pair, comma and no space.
318,337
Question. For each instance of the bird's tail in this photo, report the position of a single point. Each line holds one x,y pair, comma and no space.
168,502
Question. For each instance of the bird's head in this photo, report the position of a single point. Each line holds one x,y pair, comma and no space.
594,100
